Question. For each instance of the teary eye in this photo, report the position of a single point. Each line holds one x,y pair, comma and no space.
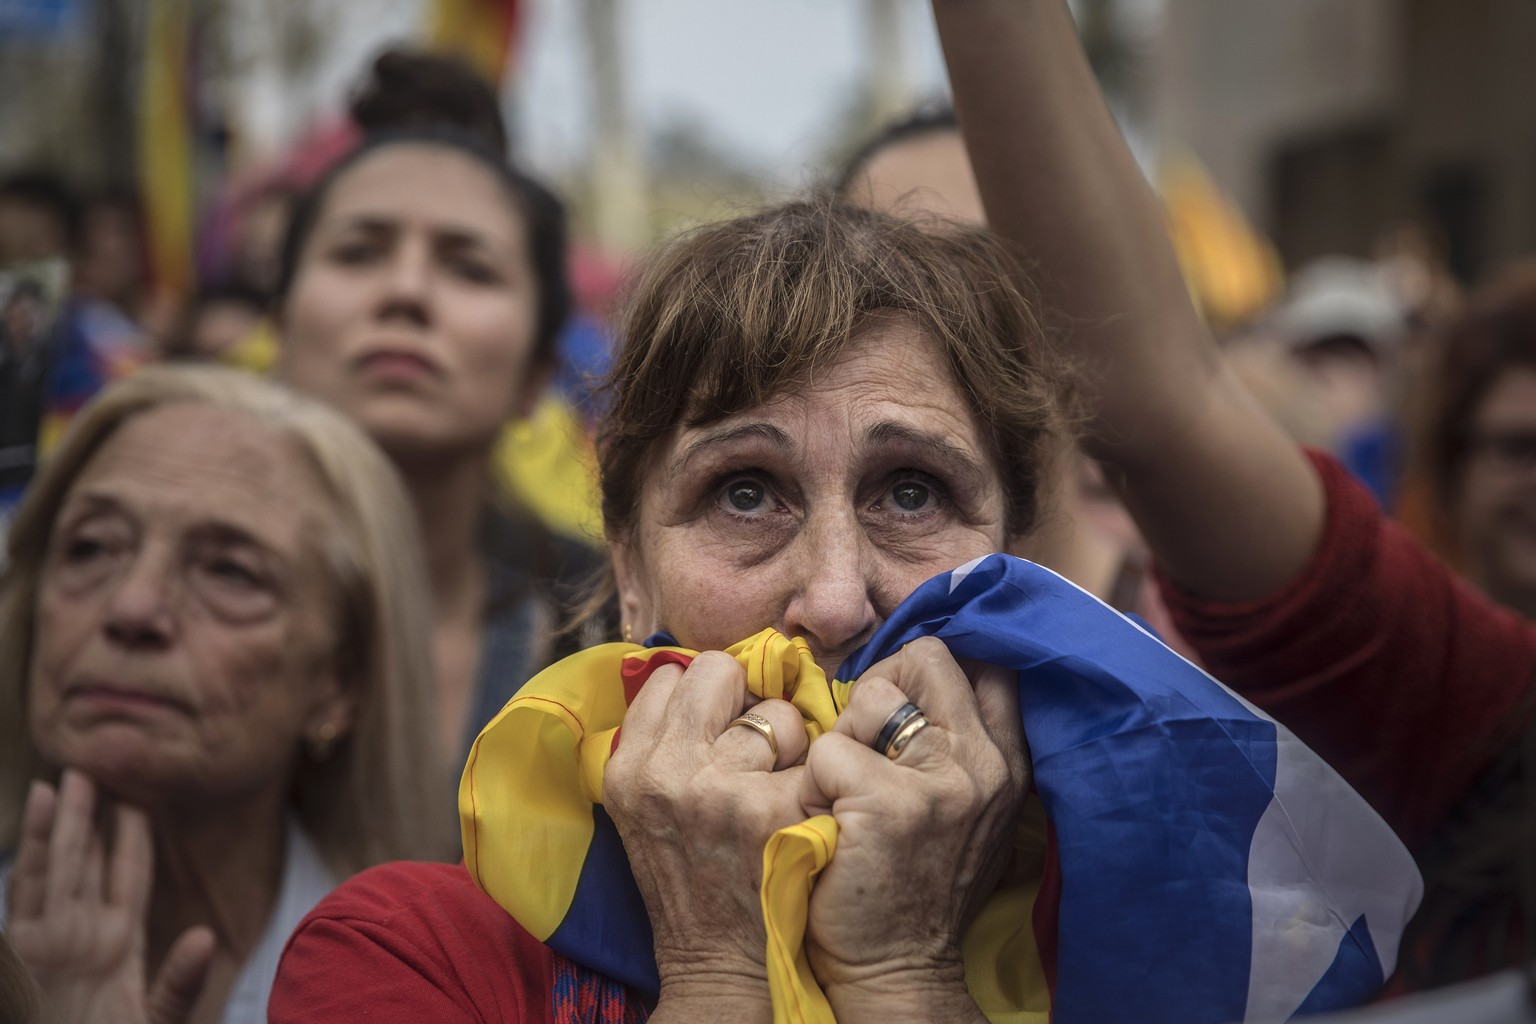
910,495
745,495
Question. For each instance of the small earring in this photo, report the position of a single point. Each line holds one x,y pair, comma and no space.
629,633
322,742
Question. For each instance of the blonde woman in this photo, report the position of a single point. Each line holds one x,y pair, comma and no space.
215,691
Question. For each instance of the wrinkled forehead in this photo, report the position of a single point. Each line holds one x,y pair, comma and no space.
889,388
194,464
728,383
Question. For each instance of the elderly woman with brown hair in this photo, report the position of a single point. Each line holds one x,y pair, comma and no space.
822,417
215,683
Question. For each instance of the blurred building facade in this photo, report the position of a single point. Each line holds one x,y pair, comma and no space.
1333,121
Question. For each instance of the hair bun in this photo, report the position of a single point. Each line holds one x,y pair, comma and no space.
413,89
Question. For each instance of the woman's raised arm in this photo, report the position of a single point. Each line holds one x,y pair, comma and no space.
1227,502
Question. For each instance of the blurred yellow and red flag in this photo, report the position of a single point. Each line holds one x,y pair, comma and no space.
1232,270
165,149
483,32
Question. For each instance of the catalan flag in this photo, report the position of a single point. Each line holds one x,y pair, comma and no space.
547,461
1232,270
483,32
166,136
1193,861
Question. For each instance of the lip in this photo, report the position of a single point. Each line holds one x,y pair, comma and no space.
119,698
398,363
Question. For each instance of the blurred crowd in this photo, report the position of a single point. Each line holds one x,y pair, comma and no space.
235,529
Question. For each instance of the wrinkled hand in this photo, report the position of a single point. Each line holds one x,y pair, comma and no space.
695,803
922,840
77,914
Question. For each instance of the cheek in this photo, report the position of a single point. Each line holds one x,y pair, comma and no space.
708,602
320,308
495,345
242,675
62,630
712,614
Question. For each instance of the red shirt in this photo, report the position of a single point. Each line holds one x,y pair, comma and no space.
409,943
1397,672
1402,676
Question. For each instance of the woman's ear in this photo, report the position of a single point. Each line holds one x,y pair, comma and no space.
331,719
636,612
333,699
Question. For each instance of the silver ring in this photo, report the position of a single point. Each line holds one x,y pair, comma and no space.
900,717
914,725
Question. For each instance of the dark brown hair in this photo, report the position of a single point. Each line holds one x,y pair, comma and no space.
423,98
1495,333
736,314
413,88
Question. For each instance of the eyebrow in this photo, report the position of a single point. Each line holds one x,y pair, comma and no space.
888,432
77,507
220,531
363,222
453,237
718,438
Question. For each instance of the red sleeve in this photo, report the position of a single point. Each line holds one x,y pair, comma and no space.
1398,673
404,943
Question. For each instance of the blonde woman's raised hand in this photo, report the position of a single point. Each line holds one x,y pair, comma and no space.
78,908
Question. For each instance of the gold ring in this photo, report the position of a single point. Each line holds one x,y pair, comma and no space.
753,720
898,718
914,725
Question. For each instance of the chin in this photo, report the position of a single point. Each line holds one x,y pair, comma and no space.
400,419
419,435
125,764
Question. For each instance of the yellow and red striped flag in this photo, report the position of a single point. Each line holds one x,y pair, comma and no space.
165,145
1232,270
483,32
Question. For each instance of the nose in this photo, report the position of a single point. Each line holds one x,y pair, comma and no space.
408,283
141,608
832,606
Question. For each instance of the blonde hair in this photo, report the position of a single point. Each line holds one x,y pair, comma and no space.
368,801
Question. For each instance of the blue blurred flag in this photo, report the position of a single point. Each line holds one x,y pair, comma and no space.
40,20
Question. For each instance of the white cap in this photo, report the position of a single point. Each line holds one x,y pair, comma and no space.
1339,296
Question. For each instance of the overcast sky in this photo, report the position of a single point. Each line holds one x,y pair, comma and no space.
765,80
